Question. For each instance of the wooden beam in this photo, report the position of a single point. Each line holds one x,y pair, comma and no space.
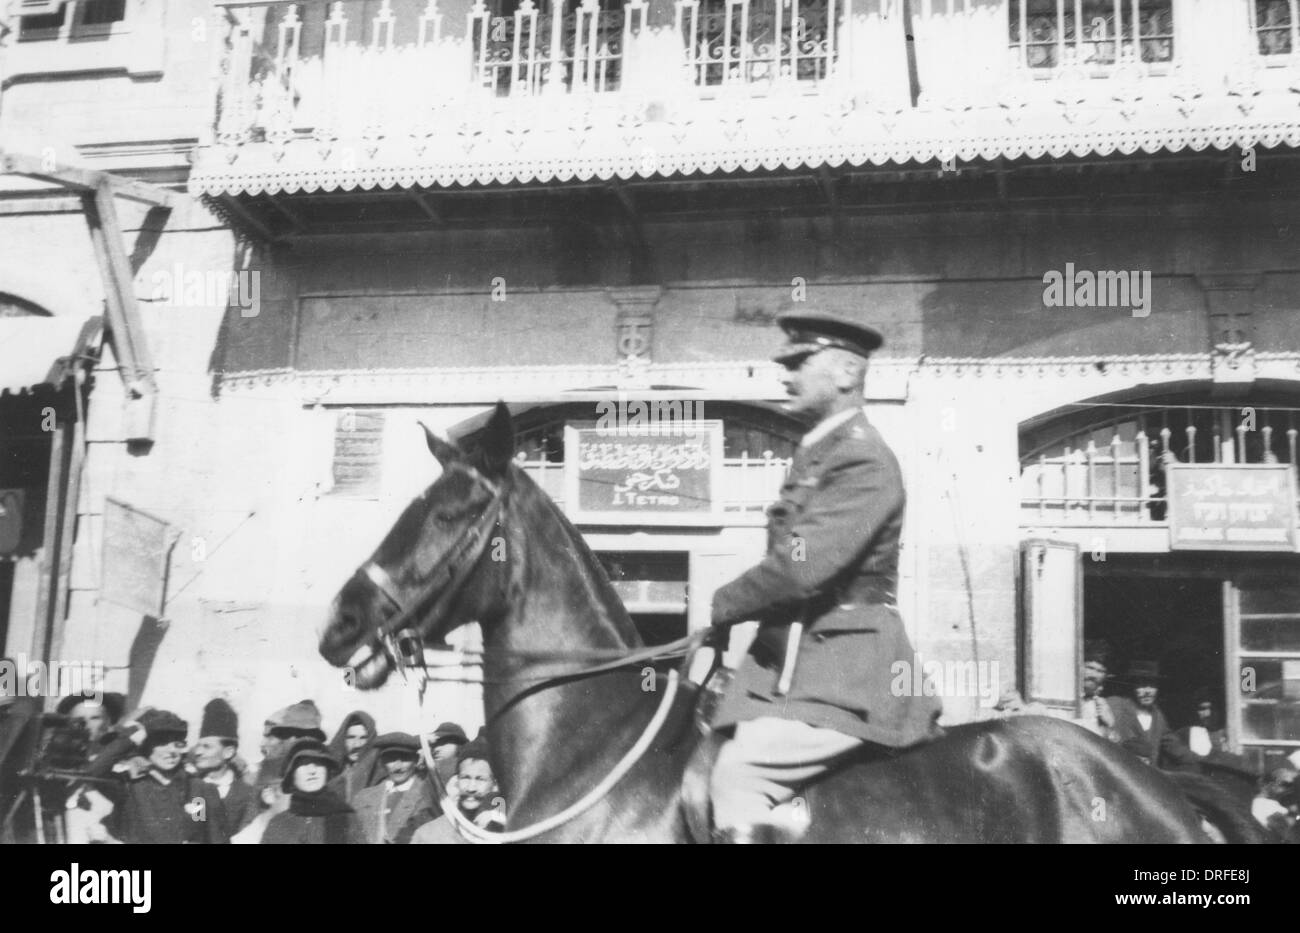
295,223
422,199
85,180
232,204
56,204
129,341
76,461
47,565
624,197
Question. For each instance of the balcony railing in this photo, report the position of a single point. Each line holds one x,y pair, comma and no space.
749,484
1114,474
439,92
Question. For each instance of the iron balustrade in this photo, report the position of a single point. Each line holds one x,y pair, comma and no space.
1113,471
1046,34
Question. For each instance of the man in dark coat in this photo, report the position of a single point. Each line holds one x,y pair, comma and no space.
1140,726
829,579
392,810
214,757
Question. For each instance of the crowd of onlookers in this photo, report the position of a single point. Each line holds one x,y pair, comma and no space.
138,779
1133,719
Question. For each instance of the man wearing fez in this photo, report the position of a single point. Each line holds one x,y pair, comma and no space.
214,760
815,685
392,810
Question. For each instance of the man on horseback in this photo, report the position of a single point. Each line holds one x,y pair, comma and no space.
816,683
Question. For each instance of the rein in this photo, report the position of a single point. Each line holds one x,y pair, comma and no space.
477,834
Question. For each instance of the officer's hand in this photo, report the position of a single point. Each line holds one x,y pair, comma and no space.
718,638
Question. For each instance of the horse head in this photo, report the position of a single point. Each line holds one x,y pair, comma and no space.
429,574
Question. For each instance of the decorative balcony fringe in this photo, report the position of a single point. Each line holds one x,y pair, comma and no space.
522,147
760,85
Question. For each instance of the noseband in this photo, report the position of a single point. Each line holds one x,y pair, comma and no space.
448,580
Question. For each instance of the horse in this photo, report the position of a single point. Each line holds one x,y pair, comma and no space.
484,543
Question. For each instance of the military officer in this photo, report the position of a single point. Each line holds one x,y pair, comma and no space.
798,704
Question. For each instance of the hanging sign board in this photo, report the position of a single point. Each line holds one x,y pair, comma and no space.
1232,507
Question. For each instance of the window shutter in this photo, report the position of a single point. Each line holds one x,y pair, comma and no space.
358,452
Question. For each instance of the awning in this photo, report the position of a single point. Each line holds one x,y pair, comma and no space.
37,351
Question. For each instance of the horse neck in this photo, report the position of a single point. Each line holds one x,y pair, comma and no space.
549,738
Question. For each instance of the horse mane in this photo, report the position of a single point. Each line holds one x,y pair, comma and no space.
539,512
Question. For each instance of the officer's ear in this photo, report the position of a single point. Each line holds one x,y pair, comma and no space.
850,370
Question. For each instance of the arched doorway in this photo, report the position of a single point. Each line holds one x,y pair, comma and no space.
1183,556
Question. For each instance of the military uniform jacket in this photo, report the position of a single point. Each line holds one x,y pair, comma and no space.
832,564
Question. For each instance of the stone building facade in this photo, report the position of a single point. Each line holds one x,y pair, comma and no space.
391,212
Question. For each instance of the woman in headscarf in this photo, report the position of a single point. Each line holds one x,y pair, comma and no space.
316,815
354,747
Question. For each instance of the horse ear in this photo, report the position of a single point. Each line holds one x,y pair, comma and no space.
445,452
498,442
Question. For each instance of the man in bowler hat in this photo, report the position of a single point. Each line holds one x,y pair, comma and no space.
815,685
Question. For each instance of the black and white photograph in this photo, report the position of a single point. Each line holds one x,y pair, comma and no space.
489,422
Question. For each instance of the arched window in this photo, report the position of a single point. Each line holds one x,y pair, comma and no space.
1103,461
758,444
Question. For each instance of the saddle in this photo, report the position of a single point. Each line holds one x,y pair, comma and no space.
696,805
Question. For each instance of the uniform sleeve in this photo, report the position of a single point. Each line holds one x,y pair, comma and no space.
856,498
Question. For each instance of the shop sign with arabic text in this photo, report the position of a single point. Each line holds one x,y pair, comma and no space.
643,476
1232,507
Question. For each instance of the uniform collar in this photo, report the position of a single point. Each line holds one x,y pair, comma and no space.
827,425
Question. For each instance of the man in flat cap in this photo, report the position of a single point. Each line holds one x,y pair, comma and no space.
815,685
391,811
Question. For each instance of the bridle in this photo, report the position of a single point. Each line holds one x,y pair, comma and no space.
438,593
443,587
